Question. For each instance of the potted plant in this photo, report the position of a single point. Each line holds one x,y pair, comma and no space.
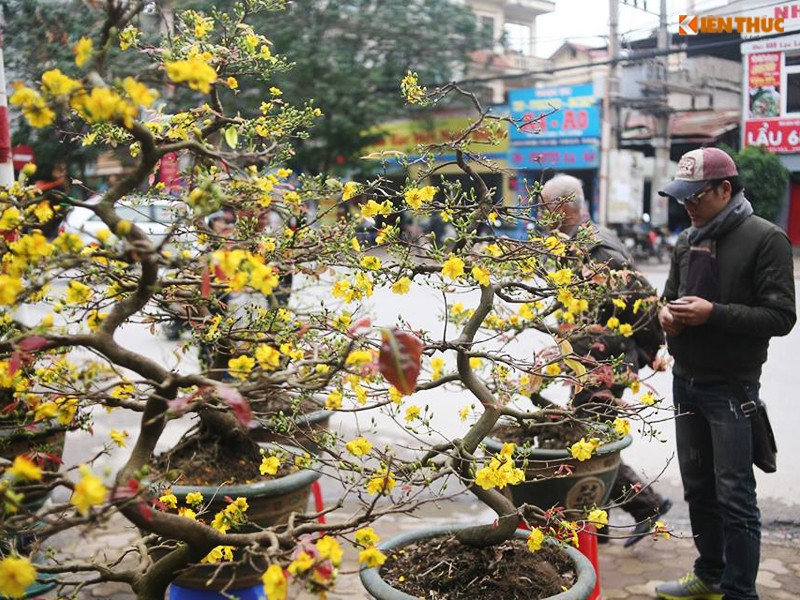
125,283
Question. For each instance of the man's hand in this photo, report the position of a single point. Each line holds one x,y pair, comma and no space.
690,310
668,322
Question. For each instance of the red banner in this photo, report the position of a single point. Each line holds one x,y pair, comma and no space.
776,135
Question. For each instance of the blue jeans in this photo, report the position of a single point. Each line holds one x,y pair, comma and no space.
715,455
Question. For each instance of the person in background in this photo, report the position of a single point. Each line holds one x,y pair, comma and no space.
730,289
562,196
54,187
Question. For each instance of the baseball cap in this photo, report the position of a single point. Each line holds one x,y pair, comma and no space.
697,167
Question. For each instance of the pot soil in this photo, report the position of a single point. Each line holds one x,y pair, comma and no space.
434,564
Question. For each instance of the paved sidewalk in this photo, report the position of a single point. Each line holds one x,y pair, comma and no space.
630,574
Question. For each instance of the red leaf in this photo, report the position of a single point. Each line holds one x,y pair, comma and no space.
13,363
363,323
32,343
205,283
180,405
400,359
238,403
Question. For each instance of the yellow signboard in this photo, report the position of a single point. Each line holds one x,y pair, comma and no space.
407,135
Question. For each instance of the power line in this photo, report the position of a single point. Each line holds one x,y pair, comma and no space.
640,56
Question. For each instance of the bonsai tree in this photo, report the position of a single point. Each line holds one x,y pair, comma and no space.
504,338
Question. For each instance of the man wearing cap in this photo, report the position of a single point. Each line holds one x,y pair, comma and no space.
730,289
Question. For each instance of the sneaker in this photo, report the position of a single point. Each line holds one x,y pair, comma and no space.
645,527
688,587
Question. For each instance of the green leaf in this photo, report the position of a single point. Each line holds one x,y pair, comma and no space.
232,137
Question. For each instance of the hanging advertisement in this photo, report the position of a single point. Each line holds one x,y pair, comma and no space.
554,127
764,85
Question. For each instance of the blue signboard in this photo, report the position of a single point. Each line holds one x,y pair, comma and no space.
553,113
575,156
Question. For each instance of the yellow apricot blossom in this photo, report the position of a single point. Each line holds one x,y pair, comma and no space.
481,275
371,557
401,286
24,469
366,536
535,539
583,449
453,268
89,491
241,366
276,586
598,517
269,465
83,50
382,482
16,574
195,72
359,446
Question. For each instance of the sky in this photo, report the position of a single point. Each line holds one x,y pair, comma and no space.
592,23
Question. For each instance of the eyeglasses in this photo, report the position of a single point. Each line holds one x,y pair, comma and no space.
694,199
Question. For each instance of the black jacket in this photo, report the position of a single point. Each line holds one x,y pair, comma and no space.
756,302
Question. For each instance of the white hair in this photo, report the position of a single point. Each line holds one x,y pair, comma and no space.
566,189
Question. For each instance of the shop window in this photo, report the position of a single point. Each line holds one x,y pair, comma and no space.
792,82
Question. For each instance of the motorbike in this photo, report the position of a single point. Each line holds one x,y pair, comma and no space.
645,242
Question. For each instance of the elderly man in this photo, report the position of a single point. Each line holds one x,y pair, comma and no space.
562,198
730,289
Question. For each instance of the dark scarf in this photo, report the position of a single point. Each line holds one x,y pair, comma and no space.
703,276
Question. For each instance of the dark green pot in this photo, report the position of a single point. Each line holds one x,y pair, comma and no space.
371,578
547,483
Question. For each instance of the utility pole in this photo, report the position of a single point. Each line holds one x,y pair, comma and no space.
659,209
608,139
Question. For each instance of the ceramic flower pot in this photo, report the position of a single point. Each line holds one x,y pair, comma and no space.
269,502
44,442
555,478
375,585
306,425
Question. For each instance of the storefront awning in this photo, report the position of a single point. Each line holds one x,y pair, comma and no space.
696,126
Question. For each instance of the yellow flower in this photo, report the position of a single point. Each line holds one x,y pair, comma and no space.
358,447
119,437
552,370
637,305
381,482
56,83
359,358
411,90
241,366
187,513
626,329
598,517
268,357
195,72
661,530
128,37
475,362
395,395
301,564
78,293
371,262
481,275
217,554
561,277
82,50
329,548
648,399
334,400
535,539
24,468
269,465
275,584
367,537
582,449
437,365
453,268
412,412
169,499
464,413
138,92
16,574
89,491
371,557
10,287
194,498
350,189
612,323
355,244
555,245
622,426
401,286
